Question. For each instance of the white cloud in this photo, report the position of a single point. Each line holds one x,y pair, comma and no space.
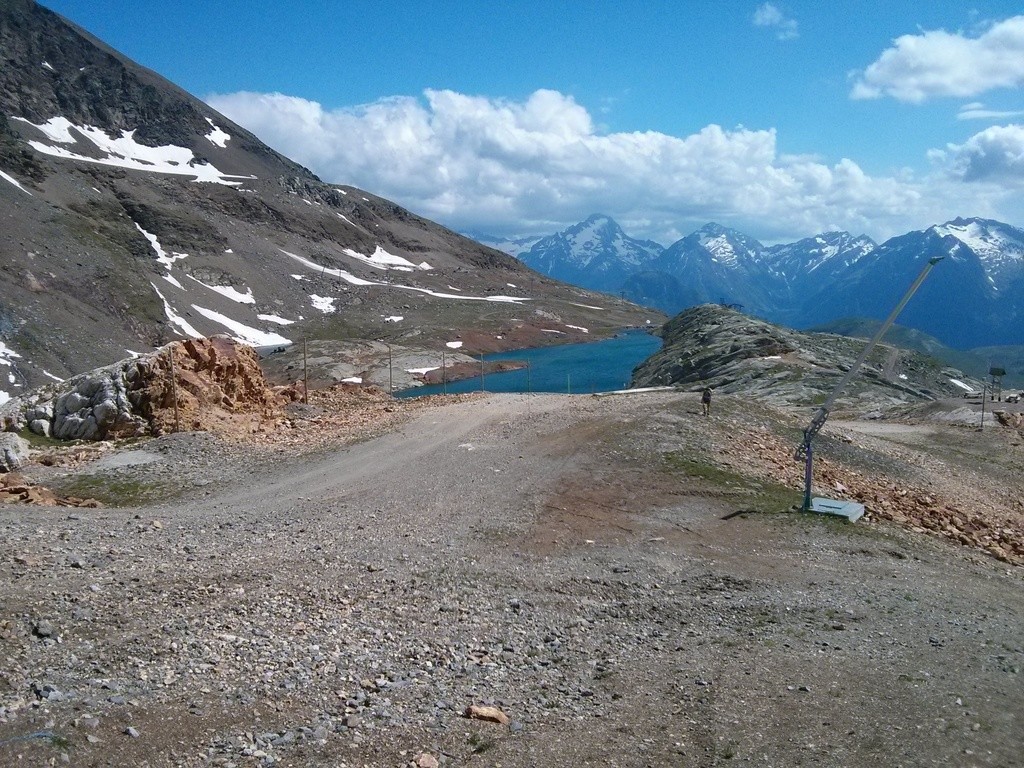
770,15
995,155
535,166
976,111
939,63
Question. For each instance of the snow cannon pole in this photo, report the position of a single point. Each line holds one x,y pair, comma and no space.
821,415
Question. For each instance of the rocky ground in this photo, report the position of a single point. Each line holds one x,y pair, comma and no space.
518,581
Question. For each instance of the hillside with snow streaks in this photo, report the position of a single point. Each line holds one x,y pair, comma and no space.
9,377
135,214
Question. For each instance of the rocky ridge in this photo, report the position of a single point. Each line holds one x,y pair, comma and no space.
716,346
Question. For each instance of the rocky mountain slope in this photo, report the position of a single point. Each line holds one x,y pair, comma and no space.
976,297
731,352
135,214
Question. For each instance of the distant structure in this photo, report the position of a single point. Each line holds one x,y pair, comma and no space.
997,382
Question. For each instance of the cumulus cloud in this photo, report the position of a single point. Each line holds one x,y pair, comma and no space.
534,166
939,63
994,155
770,15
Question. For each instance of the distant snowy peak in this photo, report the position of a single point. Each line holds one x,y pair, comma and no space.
594,253
598,240
812,253
727,247
996,244
601,236
513,246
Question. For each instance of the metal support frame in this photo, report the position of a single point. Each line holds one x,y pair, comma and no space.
805,450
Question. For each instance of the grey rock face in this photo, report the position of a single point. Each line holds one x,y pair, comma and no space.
13,451
714,346
86,407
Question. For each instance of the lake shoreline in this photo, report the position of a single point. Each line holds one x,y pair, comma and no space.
595,365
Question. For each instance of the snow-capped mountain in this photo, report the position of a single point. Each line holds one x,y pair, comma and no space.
718,265
595,254
974,298
817,258
999,247
134,214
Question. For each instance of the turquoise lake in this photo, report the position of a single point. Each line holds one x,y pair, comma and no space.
599,366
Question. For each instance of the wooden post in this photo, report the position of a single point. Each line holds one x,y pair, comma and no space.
305,374
174,388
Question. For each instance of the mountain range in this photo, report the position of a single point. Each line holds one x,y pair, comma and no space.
974,297
135,214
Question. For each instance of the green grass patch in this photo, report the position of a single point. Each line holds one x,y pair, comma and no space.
757,495
119,492
41,442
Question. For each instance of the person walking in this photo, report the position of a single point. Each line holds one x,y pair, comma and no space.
705,400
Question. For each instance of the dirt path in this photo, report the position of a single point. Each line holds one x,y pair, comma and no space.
576,562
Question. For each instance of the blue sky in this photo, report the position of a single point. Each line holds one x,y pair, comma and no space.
781,119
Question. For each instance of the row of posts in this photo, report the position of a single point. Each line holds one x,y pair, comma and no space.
391,378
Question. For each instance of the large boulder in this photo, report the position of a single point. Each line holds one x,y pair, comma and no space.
213,379
13,451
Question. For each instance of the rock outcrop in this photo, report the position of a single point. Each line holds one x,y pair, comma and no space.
13,452
713,345
213,380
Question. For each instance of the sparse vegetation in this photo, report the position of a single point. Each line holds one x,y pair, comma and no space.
759,496
480,742
119,491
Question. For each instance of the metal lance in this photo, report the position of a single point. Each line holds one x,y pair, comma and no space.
805,450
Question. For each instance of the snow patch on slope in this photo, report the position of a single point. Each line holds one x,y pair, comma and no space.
15,182
217,136
125,152
240,331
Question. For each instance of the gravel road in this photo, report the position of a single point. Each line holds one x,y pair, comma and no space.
545,556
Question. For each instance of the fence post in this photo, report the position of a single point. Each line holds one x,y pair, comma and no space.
174,388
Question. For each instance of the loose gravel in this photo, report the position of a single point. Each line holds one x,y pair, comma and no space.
312,596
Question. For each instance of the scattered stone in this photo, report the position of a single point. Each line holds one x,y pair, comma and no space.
425,760
488,714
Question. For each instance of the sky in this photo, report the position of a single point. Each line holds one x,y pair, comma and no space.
780,119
